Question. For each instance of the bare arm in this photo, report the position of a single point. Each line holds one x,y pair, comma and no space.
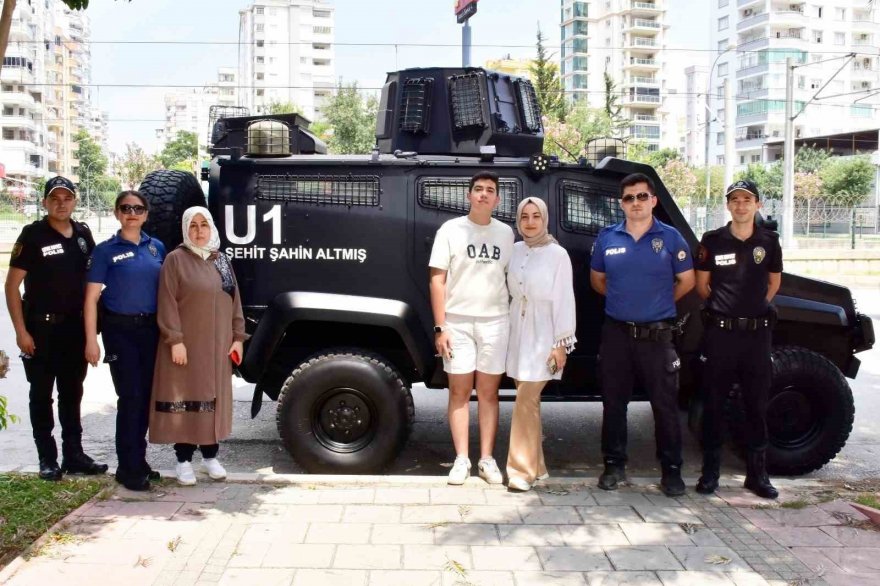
16,311
684,282
438,308
704,279
774,280
90,320
599,282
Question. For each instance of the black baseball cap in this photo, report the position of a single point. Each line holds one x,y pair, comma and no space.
743,185
58,182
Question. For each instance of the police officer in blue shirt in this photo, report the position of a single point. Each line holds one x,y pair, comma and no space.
127,268
50,256
642,267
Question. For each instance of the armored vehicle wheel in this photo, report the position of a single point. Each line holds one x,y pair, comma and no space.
809,413
344,411
169,193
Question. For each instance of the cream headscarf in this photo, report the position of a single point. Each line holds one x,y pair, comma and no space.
543,238
213,243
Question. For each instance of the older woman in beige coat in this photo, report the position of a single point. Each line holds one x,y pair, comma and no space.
202,329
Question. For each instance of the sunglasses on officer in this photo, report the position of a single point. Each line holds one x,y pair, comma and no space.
629,198
129,209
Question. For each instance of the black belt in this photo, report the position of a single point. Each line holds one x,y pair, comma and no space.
52,318
744,324
127,319
655,331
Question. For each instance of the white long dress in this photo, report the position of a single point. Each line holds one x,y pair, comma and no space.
542,310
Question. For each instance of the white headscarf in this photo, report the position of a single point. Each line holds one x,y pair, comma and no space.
213,242
542,238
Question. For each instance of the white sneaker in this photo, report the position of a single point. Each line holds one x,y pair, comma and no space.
543,476
214,469
489,471
461,470
518,484
186,476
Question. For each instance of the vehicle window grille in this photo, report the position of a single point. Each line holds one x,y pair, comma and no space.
467,100
415,105
215,113
529,109
586,209
450,194
357,190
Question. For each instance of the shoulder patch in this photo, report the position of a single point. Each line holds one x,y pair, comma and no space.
682,255
16,250
84,226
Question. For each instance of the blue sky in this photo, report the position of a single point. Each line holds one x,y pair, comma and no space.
511,23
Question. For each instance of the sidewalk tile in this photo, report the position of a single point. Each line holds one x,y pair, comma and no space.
842,579
192,494
510,558
97,528
403,496
857,560
759,518
113,553
581,497
249,555
573,559
550,515
811,516
642,558
616,497
655,534
275,532
367,557
328,578
700,559
852,537
739,497
550,578
371,514
652,514
694,579
313,513
458,496
350,533
499,514
622,579
801,537
516,499
290,495
140,509
401,534
661,500
405,578
705,538
166,529
842,506
749,578
609,514
466,534
41,573
346,496
530,535
431,514
435,557
480,578
298,555
593,535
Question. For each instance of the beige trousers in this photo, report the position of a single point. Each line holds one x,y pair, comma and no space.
526,456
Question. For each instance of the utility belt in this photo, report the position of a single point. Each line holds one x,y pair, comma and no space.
655,331
107,317
740,324
52,318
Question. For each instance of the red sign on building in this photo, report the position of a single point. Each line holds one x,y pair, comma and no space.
464,9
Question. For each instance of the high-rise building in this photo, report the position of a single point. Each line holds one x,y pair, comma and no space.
287,54
695,115
625,39
753,39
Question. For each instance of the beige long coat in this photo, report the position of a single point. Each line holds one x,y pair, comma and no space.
192,404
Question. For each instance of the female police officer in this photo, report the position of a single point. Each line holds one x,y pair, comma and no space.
127,267
50,256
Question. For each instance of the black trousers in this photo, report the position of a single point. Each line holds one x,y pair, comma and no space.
130,350
622,362
59,359
185,452
737,357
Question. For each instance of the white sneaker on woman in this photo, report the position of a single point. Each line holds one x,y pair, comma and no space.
489,471
186,476
214,469
518,484
543,476
461,470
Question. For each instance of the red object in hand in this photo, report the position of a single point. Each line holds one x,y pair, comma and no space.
236,359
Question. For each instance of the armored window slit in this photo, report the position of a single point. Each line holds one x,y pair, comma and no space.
347,190
450,194
586,209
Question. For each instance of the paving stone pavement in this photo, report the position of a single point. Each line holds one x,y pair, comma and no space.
304,530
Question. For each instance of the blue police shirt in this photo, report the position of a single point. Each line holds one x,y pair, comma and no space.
130,273
640,275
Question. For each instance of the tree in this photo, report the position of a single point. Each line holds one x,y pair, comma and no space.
680,181
809,159
716,186
637,151
568,140
278,107
613,109
848,181
182,152
548,86
352,120
91,168
134,165
807,185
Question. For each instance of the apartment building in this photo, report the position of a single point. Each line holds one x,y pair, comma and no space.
696,115
287,54
626,39
755,37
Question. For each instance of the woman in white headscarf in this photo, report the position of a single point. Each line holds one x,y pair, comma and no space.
201,332
542,334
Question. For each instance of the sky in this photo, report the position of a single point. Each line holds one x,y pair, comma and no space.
198,36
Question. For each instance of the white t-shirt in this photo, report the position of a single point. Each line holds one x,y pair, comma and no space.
476,259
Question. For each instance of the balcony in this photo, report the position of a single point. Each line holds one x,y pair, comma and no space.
645,8
18,98
642,44
644,81
863,42
18,122
19,31
753,21
641,63
643,26
641,99
11,73
744,3
646,118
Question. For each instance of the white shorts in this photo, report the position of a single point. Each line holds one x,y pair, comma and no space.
478,343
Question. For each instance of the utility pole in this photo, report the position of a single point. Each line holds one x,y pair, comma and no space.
464,10
788,159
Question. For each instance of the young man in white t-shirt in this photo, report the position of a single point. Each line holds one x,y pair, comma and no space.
469,300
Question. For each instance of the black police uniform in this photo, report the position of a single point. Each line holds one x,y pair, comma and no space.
737,343
53,301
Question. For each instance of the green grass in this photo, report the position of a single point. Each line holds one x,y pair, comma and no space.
796,504
30,506
869,500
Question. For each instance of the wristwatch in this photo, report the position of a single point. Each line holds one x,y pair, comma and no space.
438,329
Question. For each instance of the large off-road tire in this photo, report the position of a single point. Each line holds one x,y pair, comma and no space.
344,412
169,193
809,414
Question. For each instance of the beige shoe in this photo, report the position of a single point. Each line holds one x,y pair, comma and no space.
518,484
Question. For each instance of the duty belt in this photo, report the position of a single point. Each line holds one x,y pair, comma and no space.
52,318
657,331
125,319
745,324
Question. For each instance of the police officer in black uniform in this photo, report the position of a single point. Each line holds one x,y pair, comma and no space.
50,256
739,269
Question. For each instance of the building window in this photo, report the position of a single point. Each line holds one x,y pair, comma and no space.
260,93
259,76
742,159
723,22
723,3
719,160
260,59
321,30
259,10
321,13
818,12
840,13
719,138
259,43
839,38
722,69
722,44
259,28
817,37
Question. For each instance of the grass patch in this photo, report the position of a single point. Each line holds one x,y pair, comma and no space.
869,500
797,504
30,506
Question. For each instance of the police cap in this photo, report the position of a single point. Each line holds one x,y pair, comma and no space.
58,182
743,185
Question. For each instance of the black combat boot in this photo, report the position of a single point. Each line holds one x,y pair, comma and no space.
757,480
49,470
80,463
614,473
708,482
671,483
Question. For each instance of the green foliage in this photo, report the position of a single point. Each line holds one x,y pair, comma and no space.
638,152
848,180
810,159
274,107
768,178
134,165
353,121
680,181
92,172
548,87
613,109
568,139
181,151
716,184
807,185
5,416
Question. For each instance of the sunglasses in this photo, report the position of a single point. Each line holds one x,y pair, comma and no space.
128,209
629,198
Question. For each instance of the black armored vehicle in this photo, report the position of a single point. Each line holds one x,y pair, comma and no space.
331,254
